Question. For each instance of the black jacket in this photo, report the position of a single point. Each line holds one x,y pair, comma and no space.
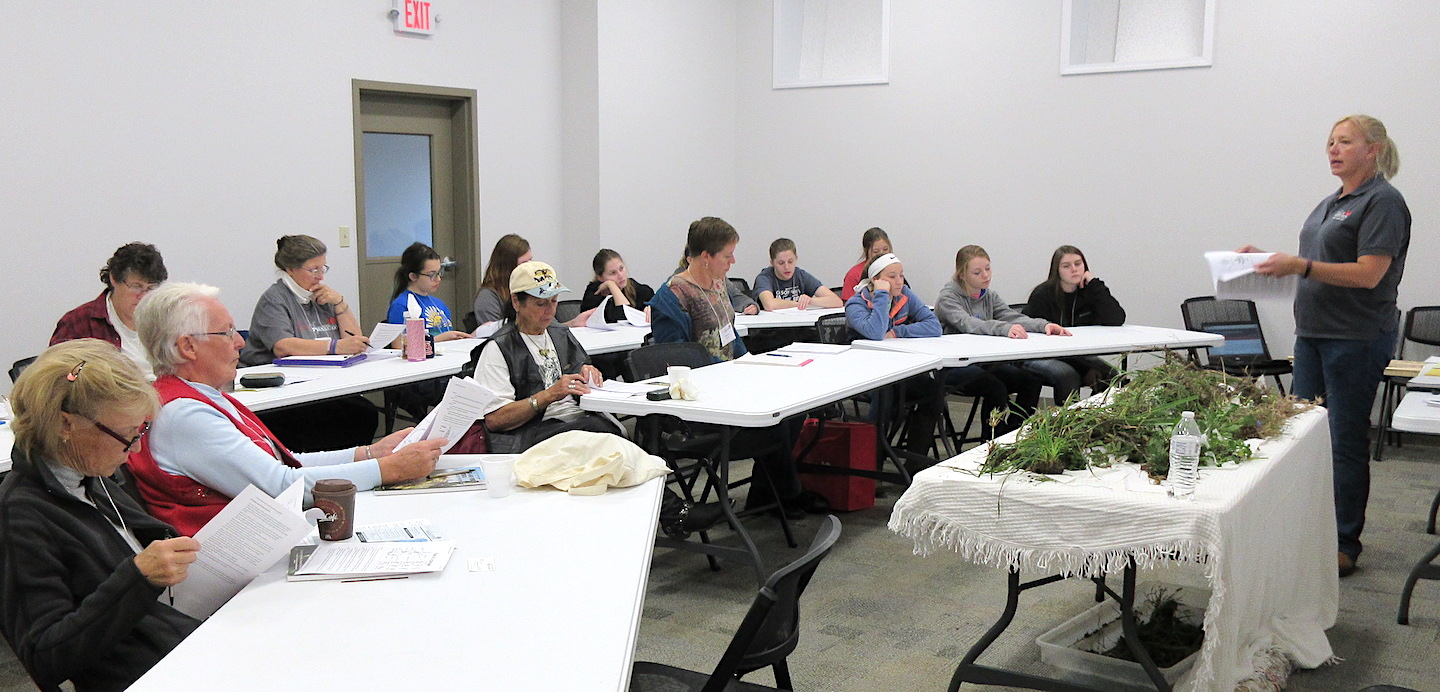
1086,307
75,605
613,312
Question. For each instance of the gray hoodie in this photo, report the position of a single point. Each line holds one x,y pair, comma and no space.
959,313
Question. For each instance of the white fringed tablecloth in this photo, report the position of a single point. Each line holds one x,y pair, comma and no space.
1263,532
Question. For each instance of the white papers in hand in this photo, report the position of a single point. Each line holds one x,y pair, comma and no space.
635,317
252,533
612,389
596,320
1233,274
464,402
488,329
383,334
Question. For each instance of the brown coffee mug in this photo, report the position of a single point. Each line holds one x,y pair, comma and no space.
336,498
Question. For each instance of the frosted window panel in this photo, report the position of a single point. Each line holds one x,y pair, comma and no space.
831,42
397,193
1122,35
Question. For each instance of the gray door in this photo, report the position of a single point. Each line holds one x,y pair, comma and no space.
414,174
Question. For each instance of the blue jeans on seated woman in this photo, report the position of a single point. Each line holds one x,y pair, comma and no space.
1346,373
1061,377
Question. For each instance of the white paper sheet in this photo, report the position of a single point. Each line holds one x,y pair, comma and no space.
383,334
405,531
464,403
1234,276
252,533
596,320
378,558
488,329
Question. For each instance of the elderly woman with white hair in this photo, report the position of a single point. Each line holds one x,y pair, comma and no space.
83,569
205,447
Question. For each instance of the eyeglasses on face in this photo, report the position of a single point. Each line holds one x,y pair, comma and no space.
140,287
435,275
228,333
129,442
317,271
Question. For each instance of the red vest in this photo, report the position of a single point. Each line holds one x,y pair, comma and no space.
179,500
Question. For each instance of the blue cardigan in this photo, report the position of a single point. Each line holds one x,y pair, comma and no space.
874,322
669,323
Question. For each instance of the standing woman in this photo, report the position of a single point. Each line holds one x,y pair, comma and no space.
612,279
299,315
83,569
494,296
417,277
874,243
1351,258
1073,297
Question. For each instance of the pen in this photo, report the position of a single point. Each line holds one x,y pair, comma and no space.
351,581
777,355
349,333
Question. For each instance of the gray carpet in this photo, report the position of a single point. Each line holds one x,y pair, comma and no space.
878,617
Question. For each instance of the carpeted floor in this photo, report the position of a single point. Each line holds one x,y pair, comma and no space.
877,617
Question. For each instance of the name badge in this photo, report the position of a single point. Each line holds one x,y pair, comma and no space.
727,334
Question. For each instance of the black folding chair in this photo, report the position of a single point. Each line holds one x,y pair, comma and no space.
1245,353
567,310
742,285
19,367
767,636
1422,326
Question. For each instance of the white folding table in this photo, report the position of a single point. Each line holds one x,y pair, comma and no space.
956,350
735,394
559,611
766,319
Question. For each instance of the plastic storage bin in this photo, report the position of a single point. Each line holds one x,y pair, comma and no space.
1073,646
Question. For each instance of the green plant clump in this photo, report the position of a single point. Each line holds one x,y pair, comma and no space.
1136,422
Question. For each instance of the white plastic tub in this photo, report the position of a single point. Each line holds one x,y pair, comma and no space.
1075,646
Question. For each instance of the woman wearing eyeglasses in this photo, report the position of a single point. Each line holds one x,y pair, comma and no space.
134,270
300,315
417,277
83,568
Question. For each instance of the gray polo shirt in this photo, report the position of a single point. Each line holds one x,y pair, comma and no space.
1372,220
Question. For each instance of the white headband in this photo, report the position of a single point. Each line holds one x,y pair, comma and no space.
876,267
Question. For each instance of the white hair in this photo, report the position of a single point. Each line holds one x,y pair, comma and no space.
165,314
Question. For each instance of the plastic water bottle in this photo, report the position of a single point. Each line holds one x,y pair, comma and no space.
1184,457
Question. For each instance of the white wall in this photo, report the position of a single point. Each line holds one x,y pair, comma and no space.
977,139
667,127
210,129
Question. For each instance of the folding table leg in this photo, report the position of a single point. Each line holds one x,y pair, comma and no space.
1423,570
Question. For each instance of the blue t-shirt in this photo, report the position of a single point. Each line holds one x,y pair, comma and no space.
800,283
432,310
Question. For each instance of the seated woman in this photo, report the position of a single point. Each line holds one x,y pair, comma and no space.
300,315
883,307
740,301
418,276
83,569
205,447
968,306
536,369
493,299
134,270
874,243
694,305
1073,297
785,285
613,280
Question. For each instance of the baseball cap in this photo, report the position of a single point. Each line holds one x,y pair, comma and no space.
537,279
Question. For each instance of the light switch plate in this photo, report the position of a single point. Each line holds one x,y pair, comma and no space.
344,236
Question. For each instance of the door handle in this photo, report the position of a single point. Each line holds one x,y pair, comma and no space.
447,263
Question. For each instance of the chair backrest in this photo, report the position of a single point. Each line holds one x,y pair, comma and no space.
833,329
20,366
1422,325
1019,307
468,369
470,322
1235,320
651,361
567,310
741,284
771,628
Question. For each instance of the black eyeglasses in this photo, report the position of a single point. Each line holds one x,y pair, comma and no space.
435,275
129,442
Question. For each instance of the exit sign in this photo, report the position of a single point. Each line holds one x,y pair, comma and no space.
414,17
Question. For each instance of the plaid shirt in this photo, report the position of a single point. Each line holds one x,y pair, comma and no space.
89,321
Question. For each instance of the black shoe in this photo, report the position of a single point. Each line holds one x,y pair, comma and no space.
807,502
702,517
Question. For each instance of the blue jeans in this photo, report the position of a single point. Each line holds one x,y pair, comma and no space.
1346,373
1061,377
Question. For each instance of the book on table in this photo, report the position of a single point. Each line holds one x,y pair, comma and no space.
439,481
